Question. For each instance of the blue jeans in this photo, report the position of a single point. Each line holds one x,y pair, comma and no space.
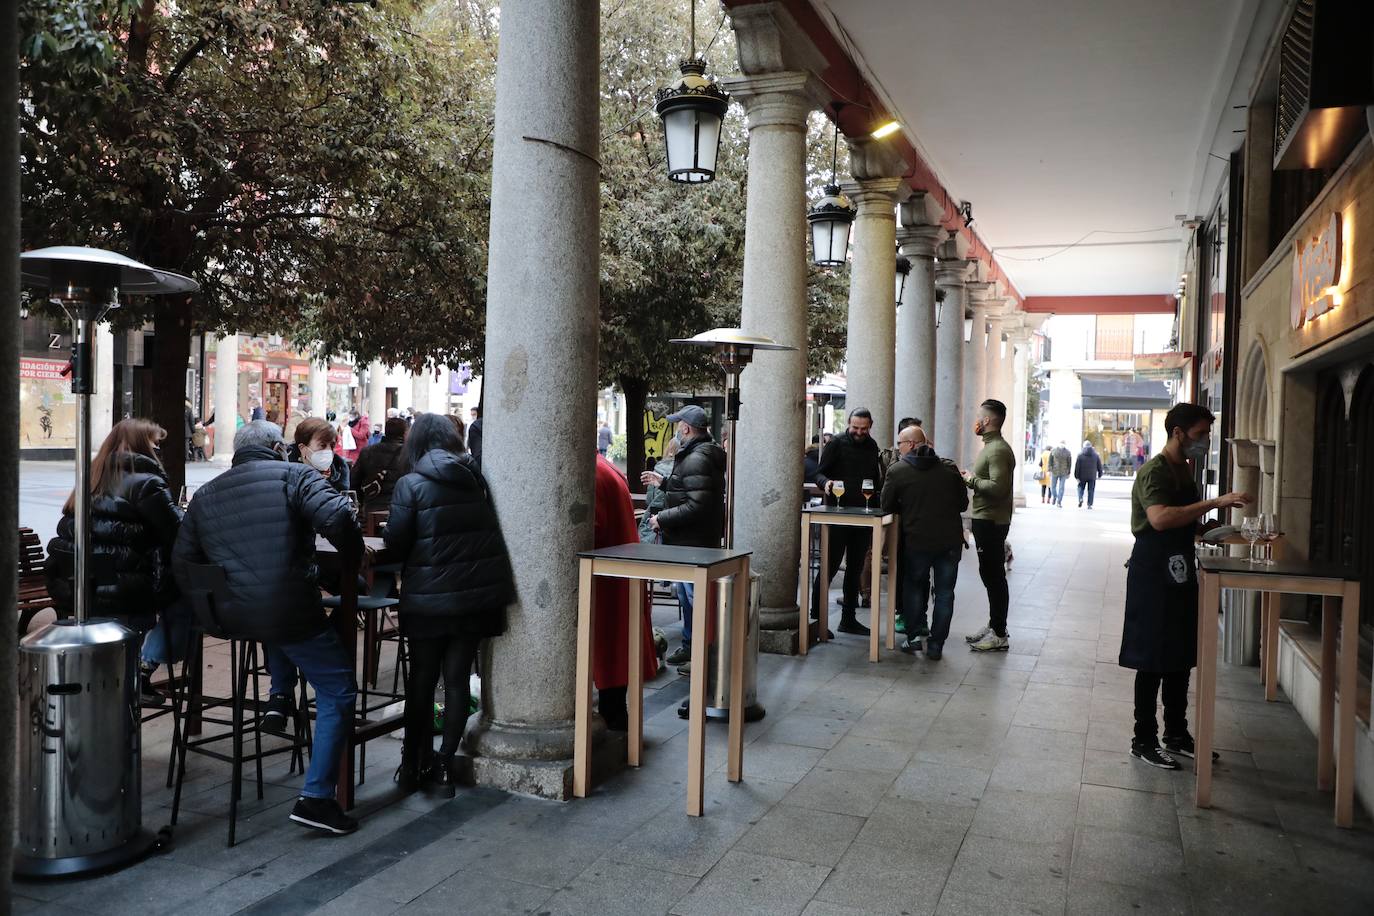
325,666
1057,489
155,648
917,567
686,593
1091,487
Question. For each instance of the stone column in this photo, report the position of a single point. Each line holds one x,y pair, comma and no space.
9,412
104,400
226,395
319,388
976,357
914,378
951,272
1267,497
1018,347
997,380
376,392
872,345
541,362
1245,477
420,385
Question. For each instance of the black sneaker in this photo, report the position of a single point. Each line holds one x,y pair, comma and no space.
323,814
281,710
911,645
679,656
1183,747
148,695
934,651
853,626
1155,756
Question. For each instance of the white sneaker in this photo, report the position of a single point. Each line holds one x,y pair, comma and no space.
991,643
979,636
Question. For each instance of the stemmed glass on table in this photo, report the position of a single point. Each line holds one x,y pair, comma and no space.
867,487
1250,530
1268,532
837,488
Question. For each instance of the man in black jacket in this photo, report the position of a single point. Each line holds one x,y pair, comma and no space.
1086,470
851,457
258,522
379,467
694,514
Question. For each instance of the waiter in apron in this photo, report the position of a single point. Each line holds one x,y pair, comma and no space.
1159,639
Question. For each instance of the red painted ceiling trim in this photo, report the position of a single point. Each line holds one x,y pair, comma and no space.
860,111
1102,305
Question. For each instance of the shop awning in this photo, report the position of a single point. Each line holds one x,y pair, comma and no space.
1124,394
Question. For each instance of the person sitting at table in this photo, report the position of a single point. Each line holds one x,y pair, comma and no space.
613,525
258,521
458,581
314,445
1159,638
379,467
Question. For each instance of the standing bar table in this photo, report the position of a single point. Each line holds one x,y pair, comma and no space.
878,523
648,562
1340,600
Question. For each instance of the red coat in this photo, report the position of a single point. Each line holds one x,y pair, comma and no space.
615,525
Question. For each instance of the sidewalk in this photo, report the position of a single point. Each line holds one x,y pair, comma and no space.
978,784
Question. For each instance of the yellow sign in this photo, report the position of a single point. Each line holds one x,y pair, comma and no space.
1316,273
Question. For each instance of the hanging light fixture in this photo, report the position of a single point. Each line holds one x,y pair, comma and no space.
832,216
903,268
939,305
692,110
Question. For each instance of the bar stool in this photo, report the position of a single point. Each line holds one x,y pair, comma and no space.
371,608
208,594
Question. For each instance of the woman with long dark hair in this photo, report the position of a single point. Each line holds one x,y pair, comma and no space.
134,522
457,582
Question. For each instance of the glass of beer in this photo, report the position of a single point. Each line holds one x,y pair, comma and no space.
837,488
868,494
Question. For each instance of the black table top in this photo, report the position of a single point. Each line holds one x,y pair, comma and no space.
663,553
1301,568
858,512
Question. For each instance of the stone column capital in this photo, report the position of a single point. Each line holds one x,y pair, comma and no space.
980,294
1245,452
952,271
919,241
768,39
871,159
873,196
920,208
1268,452
783,99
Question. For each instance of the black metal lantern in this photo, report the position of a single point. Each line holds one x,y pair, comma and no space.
939,305
692,109
831,218
903,268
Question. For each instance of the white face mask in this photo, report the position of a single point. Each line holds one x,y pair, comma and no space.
320,460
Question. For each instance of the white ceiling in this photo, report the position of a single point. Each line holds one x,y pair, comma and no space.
1060,117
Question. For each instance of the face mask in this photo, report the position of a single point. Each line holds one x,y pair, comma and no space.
1196,449
320,460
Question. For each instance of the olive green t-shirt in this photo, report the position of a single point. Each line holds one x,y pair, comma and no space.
1158,483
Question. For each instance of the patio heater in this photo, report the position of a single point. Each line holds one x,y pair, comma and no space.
733,350
79,759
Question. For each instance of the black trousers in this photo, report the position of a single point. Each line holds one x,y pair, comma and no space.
1148,687
991,538
451,657
849,545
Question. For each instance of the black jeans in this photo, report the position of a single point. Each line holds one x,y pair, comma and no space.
451,656
1148,687
991,538
848,544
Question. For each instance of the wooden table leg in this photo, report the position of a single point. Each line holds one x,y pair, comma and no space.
1345,738
635,689
804,610
823,591
875,580
1208,605
1326,715
891,534
582,722
696,718
739,635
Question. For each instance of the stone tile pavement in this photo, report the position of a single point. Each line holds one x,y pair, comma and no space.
977,784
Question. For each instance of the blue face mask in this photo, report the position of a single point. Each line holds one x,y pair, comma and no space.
1197,449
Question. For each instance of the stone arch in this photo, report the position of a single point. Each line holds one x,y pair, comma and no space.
1252,402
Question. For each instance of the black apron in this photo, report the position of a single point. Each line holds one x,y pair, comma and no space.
1160,631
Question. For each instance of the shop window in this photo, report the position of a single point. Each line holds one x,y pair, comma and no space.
1121,437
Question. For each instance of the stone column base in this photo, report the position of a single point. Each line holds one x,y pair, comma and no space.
1019,502
778,630
552,779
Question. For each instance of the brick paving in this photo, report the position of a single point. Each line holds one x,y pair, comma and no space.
977,784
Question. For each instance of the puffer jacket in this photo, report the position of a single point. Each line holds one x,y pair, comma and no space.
384,464
258,520
930,494
695,505
853,461
1088,465
132,532
444,527
655,499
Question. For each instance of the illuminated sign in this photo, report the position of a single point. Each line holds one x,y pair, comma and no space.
1316,273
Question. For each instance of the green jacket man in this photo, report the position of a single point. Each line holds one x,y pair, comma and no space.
991,481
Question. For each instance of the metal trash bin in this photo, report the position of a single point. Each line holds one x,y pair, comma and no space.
718,671
79,761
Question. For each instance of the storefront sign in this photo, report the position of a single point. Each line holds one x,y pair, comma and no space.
46,369
1316,272
278,373
339,376
1167,367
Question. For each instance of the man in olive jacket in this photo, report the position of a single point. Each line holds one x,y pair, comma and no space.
990,482
929,494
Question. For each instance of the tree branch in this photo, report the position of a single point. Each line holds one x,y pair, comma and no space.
191,54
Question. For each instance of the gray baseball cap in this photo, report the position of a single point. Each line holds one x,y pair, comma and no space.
692,415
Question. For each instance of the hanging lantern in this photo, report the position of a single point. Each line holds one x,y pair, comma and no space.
830,221
939,305
692,110
903,268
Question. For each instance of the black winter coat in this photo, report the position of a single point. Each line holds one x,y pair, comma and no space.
444,527
929,493
853,461
132,532
695,512
1088,466
384,463
258,520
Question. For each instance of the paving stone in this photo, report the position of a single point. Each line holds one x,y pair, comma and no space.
612,888
1129,811
941,783
807,731
1046,743
853,792
745,882
780,762
874,754
1012,871
461,894
1020,815
1149,863
1040,775
885,879
802,834
892,726
1100,898
963,903
897,820
680,844
1120,769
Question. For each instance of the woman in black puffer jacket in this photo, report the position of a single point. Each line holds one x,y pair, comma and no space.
134,523
455,587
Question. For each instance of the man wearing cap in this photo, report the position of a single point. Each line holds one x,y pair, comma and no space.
694,512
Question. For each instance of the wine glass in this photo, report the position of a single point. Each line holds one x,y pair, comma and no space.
187,492
352,501
867,487
837,488
1250,530
1269,532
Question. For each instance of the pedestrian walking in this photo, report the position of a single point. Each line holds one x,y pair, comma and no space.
1061,463
603,439
990,480
458,581
930,495
1044,474
1159,638
849,459
1087,468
